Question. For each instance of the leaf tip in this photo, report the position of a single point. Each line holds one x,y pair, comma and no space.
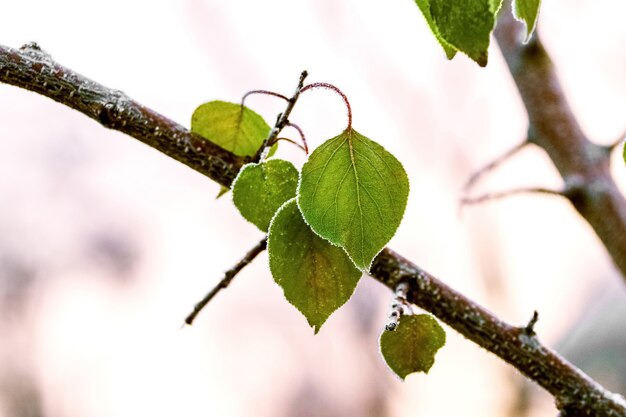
482,59
450,53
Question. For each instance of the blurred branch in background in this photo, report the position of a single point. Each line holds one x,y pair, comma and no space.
584,165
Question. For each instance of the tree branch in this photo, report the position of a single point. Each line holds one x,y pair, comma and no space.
583,165
508,193
228,277
473,179
281,121
31,69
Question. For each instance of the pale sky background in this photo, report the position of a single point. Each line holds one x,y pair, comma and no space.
105,244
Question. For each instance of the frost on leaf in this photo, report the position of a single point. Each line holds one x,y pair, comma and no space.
316,277
527,11
413,345
462,25
353,193
260,189
232,126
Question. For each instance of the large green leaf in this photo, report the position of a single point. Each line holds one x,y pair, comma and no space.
232,126
466,25
260,189
316,277
413,345
424,6
353,193
527,11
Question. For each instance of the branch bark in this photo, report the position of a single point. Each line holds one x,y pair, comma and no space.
584,165
32,69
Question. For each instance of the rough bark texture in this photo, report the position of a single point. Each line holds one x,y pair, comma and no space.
583,165
32,69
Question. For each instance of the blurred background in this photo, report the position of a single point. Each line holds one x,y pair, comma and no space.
105,244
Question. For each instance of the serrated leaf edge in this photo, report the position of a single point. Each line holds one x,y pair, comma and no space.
316,328
232,195
382,356
529,30
232,187
365,270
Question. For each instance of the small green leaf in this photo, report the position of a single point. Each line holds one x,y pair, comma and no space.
316,277
232,126
424,6
353,193
223,190
494,6
260,189
466,25
413,345
527,11
624,151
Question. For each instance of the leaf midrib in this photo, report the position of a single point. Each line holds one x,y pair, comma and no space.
358,195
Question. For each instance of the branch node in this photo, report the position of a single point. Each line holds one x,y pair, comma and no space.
281,121
530,327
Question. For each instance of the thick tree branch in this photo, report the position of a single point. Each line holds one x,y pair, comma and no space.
569,386
583,165
34,70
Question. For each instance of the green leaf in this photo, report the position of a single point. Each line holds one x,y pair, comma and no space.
316,277
624,151
494,6
424,6
232,126
527,12
466,25
353,193
260,189
223,190
413,345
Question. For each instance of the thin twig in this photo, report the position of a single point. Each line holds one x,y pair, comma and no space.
301,132
282,121
329,86
399,305
530,327
290,141
503,194
473,179
228,277
265,92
